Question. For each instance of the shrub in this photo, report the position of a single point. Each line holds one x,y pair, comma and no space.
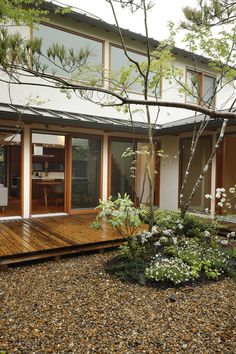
190,226
173,269
203,258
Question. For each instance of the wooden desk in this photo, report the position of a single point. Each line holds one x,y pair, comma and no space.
45,185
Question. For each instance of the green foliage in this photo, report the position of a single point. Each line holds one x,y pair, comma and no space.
172,269
178,250
22,12
121,215
190,226
202,255
201,36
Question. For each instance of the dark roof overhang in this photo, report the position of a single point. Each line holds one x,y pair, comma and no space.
55,117
190,123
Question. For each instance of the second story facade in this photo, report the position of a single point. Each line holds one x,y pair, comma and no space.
101,40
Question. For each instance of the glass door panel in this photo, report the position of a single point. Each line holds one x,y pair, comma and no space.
121,180
86,156
202,153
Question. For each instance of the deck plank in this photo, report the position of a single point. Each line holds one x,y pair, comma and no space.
38,237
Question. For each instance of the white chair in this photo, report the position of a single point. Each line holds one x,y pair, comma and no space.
3,196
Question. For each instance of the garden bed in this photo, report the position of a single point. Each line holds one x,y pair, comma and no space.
76,306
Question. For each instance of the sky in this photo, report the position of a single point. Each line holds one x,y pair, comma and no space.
161,13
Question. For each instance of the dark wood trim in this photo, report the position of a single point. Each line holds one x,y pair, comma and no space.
22,193
201,74
69,174
30,173
157,175
68,30
220,158
110,139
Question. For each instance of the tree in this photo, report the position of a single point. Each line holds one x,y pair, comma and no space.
20,58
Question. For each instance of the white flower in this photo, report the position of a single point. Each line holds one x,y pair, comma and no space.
174,240
232,190
231,234
167,232
208,196
207,210
207,233
220,204
220,190
154,230
222,200
218,195
180,226
224,242
163,239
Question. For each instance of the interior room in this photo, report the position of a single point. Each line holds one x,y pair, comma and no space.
10,173
48,173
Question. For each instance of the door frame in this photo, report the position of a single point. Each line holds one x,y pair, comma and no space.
68,170
157,164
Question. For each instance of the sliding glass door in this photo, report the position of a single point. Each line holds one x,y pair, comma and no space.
120,174
85,174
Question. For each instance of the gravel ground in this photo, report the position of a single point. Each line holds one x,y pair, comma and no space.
74,306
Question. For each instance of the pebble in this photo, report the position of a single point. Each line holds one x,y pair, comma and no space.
75,306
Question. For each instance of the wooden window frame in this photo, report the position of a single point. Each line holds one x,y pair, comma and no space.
201,75
157,164
79,34
181,166
68,167
136,52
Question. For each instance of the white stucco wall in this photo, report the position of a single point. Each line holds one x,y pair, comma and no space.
169,174
53,99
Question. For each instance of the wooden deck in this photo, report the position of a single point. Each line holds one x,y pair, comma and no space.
37,238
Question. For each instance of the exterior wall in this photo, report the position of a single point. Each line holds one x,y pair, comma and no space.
53,99
169,166
169,173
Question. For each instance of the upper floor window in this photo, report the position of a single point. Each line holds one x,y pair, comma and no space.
119,60
54,35
202,87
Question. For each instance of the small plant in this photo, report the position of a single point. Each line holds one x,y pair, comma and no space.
122,215
203,256
172,269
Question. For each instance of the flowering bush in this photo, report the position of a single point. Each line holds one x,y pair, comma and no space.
190,226
173,269
224,199
179,250
203,257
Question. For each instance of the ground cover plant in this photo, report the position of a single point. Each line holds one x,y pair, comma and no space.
176,250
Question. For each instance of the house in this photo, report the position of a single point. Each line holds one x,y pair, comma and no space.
67,153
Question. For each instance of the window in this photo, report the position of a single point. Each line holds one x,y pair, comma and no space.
202,87
203,151
119,61
51,35
121,180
